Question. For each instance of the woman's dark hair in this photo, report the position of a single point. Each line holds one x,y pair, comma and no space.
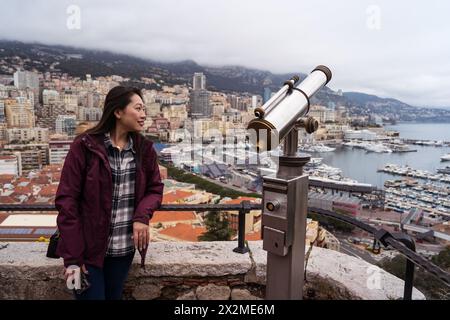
117,98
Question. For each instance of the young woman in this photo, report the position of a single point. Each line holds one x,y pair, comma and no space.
110,186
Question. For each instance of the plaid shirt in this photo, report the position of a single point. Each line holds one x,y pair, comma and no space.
123,169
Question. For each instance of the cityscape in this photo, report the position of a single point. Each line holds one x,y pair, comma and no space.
374,160
41,113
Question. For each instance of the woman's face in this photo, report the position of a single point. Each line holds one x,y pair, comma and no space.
133,116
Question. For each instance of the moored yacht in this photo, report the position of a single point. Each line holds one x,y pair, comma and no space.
445,170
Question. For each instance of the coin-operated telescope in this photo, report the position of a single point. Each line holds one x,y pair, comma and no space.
285,110
285,195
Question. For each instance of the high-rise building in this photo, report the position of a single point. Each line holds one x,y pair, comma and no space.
58,150
66,124
50,96
233,100
38,135
89,114
152,109
254,101
70,100
2,112
26,79
3,129
9,164
199,81
19,115
322,114
200,106
199,98
267,94
32,156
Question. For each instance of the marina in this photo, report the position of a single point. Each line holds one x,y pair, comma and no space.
415,173
405,194
386,175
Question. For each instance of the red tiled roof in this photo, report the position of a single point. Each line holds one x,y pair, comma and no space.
41,179
240,199
52,168
7,200
6,178
175,196
183,231
7,157
18,190
30,200
3,217
48,190
253,236
167,216
56,176
22,179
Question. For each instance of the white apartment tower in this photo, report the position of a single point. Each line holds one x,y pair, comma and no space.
199,81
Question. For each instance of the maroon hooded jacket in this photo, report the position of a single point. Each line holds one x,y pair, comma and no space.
84,197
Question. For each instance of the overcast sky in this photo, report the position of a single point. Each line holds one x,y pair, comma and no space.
398,49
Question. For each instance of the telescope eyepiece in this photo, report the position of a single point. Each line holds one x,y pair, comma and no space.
259,112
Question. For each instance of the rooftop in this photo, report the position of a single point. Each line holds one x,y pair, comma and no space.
168,216
183,232
240,199
176,196
29,220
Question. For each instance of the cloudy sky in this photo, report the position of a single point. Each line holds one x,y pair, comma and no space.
398,49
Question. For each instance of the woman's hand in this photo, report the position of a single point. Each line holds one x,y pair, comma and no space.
141,235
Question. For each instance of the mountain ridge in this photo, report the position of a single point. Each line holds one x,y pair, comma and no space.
229,79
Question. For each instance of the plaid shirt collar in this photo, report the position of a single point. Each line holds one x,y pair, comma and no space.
129,146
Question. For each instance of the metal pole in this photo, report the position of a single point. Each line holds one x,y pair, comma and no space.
285,200
241,229
408,241
290,146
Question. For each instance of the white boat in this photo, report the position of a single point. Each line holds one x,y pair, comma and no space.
357,144
314,162
377,147
446,157
316,148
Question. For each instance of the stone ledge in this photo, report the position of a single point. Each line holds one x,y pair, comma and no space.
181,269
359,277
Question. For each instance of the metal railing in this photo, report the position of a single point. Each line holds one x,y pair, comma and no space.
401,242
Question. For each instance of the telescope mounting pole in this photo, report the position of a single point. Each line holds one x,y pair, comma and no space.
285,198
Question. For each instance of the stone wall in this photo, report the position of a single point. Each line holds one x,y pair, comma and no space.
200,270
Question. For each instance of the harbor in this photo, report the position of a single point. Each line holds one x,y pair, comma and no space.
415,173
403,180
404,194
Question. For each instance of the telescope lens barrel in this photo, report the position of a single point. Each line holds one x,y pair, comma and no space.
279,115
275,99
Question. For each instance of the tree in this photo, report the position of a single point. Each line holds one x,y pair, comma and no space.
217,228
431,287
443,258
